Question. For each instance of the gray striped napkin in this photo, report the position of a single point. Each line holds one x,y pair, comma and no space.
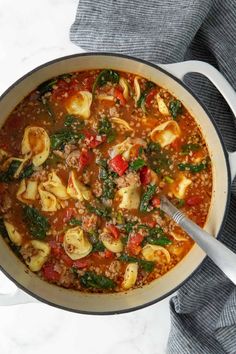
203,313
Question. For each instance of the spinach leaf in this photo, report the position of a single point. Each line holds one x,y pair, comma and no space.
160,241
157,159
27,172
98,247
37,223
156,236
147,266
141,102
102,211
185,149
175,108
146,197
105,76
46,86
108,190
8,175
94,239
105,128
58,140
74,222
70,120
93,280
137,164
129,226
193,168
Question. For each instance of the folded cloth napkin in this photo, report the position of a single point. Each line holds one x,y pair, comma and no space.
203,314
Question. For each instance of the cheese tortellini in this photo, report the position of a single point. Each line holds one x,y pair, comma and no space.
130,277
122,148
55,186
130,197
121,123
36,145
151,253
40,252
137,89
48,200
13,234
27,191
125,86
111,244
76,189
80,104
165,133
76,244
162,106
180,185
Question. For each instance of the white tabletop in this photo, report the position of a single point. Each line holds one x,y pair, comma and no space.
33,32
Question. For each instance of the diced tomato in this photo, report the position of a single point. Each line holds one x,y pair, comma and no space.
49,273
119,95
194,200
115,232
56,248
81,263
156,202
176,144
84,159
88,83
93,140
67,260
118,164
150,97
134,243
108,254
145,175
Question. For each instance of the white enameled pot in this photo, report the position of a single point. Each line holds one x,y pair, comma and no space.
224,169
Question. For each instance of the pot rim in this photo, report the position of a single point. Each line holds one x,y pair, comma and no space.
155,66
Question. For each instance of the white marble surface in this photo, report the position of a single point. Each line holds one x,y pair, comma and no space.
33,32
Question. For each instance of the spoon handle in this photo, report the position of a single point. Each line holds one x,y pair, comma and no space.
222,256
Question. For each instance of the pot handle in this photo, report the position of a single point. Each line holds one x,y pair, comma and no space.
17,298
194,66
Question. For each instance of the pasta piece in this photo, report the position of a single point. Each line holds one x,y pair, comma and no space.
27,190
180,185
177,250
36,144
165,133
178,237
125,86
130,197
42,250
111,244
48,200
150,253
80,104
76,244
55,186
7,163
162,106
3,155
137,89
13,234
123,148
130,277
76,189
122,123
105,97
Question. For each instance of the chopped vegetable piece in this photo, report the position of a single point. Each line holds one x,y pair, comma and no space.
105,128
134,243
141,102
137,164
70,120
119,96
145,175
84,159
27,172
104,77
118,164
185,149
93,140
98,247
59,140
180,203
37,223
114,231
104,212
175,108
146,197
93,280
8,175
156,202
193,168
147,266
74,222
46,86
49,273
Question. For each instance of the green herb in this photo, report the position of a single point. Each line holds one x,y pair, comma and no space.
27,172
105,128
58,140
8,175
129,226
93,280
140,151
156,236
185,149
46,86
147,266
74,222
74,271
105,76
168,179
70,120
146,197
98,247
38,224
137,164
193,168
141,102
153,147
180,203
108,190
104,212
175,108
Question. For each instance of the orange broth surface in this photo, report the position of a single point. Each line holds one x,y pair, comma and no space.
84,158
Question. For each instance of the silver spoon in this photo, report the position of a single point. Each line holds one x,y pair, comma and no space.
222,256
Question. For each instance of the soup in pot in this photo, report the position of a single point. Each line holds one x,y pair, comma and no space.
84,159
